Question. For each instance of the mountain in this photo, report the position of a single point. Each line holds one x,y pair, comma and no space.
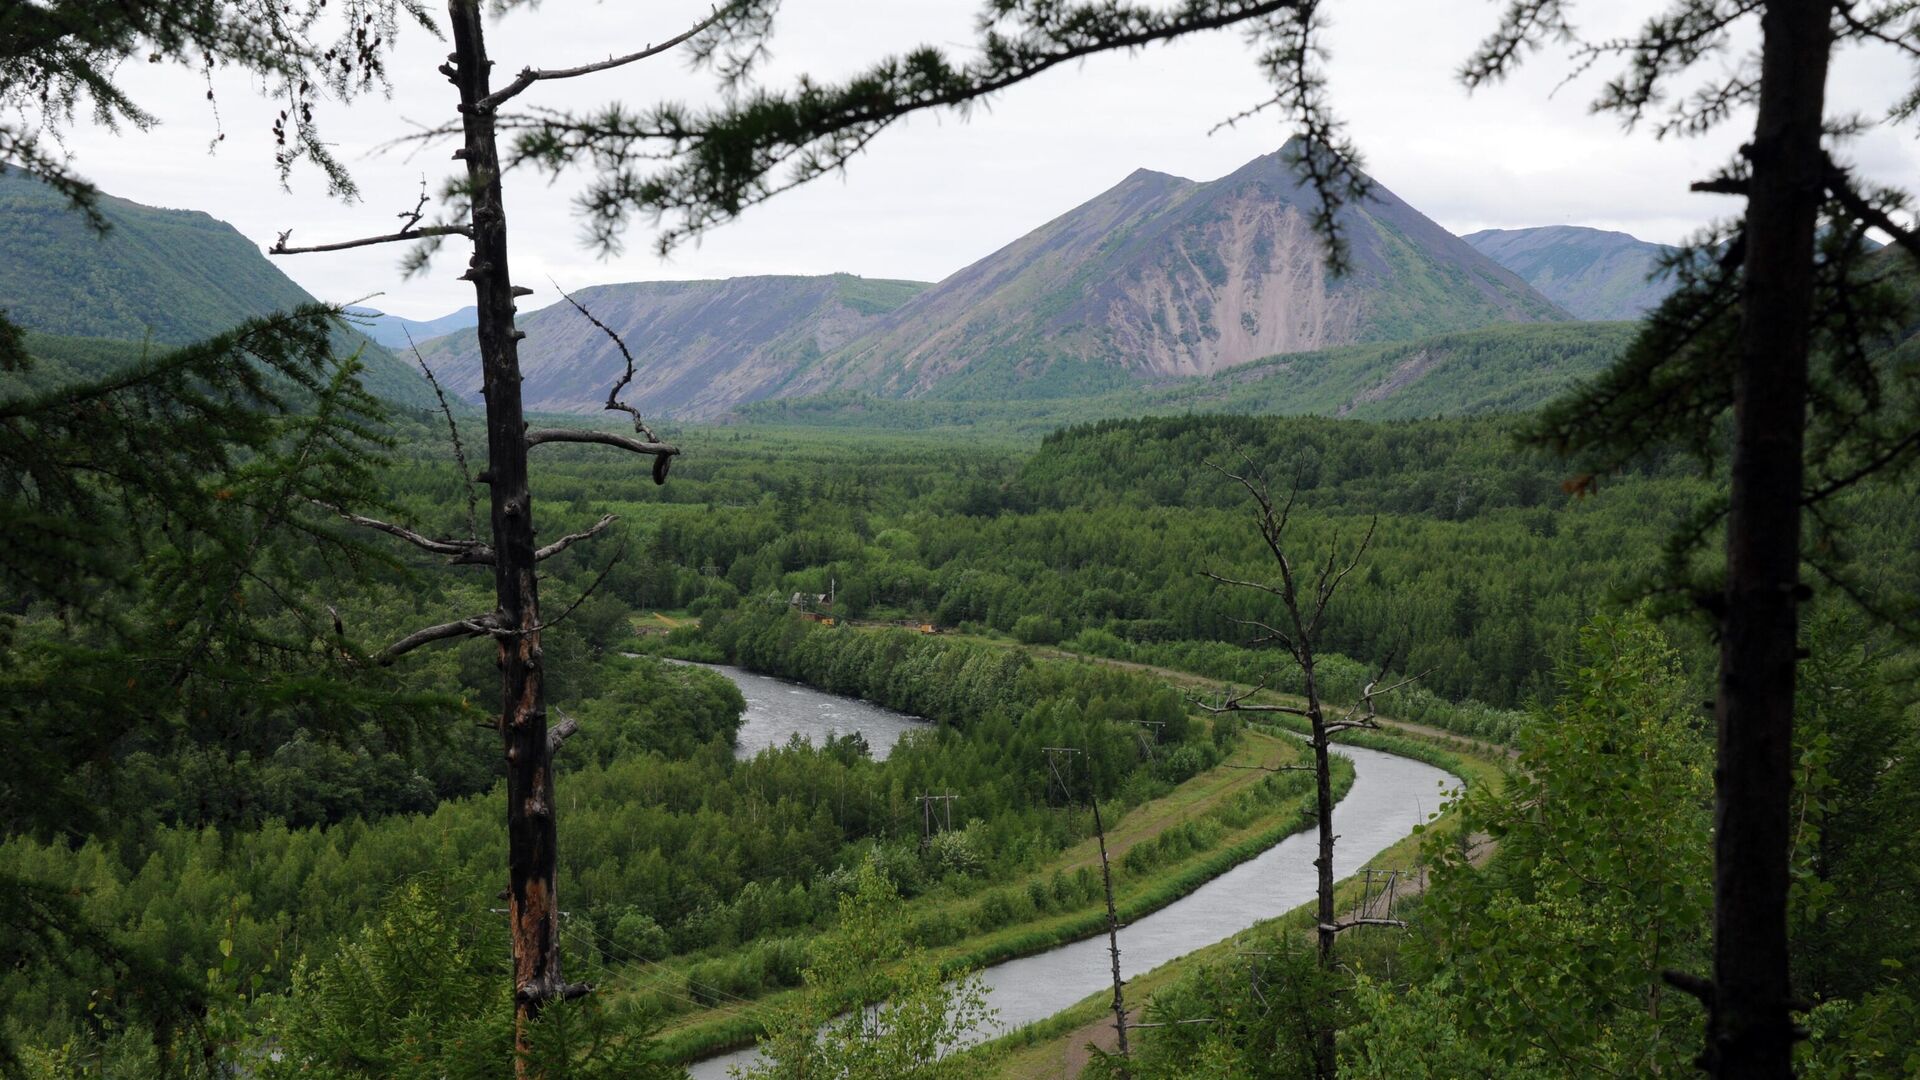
1158,278
392,330
1592,273
701,346
1164,277
172,276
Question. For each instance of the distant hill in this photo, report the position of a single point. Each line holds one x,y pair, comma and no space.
392,330
702,346
1494,369
171,276
1592,273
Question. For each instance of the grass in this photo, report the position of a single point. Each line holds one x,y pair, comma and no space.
1036,1051
1207,796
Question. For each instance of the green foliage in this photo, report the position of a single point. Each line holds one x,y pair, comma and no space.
1548,960
1267,1035
422,993
923,1015
154,280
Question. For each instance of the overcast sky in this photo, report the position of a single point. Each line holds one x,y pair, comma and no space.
938,192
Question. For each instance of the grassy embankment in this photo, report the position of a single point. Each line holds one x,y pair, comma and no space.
1233,811
1054,1047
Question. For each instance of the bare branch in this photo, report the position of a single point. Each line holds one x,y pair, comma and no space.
614,404
1348,924
463,552
1238,703
453,433
571,539
459,628
1263,587
1326,589
280,246
662,452
529,76
606,438
1269,768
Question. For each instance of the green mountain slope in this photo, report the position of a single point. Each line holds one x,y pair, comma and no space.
171,276
1494,369
1592,273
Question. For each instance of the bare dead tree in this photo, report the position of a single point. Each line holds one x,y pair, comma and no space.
515,624
1303,596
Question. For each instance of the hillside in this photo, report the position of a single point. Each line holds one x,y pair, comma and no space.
702,346
1592,273
392,330
174,276
1496,369
1165,277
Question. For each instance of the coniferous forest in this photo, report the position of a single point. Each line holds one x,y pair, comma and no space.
1238,629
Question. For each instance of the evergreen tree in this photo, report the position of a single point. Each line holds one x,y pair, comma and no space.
1782,322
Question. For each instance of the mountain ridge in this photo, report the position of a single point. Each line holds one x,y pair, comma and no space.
1156,278
162,275
1597,274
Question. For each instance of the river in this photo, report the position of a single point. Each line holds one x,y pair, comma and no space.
1390,795
777,710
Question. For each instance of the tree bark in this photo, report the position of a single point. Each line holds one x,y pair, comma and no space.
1325,1064
1750,1027
531,837
1113,945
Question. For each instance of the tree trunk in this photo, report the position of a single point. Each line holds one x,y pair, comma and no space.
1750,1030
1325,1064
1113,943
532,909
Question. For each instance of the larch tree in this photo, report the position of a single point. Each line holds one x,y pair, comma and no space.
1776,353
158,507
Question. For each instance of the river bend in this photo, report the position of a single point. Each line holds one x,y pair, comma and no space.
1389,796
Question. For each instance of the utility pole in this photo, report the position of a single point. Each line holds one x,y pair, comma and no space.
1146,743
1057,775
927,817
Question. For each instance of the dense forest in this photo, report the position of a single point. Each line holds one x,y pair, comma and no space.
697,879
1212,546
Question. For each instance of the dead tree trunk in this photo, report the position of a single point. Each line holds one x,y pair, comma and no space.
532,908
1325,1063
1113,943
1298,633
515,623
1750,1028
